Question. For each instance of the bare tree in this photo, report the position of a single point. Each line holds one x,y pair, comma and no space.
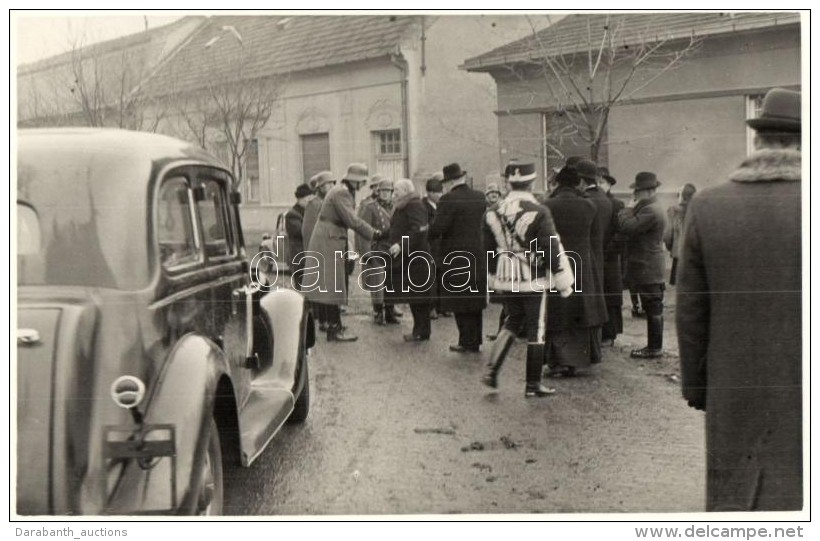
226,113
585,81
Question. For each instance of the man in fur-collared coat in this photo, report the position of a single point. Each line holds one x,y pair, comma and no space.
739,319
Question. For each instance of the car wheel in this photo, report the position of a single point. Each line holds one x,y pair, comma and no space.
210,497
302,406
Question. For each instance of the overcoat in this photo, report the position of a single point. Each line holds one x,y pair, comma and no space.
434,243
376,267
613,279
674,229
310,218
602,229
739,329
644,225
458,226
573,214
325,282
293,227
414,268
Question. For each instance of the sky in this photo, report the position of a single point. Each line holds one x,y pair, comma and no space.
47,33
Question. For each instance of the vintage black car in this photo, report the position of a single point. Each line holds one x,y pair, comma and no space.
147,356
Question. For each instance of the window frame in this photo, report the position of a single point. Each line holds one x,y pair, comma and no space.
202,178
378,142
753,106
199,260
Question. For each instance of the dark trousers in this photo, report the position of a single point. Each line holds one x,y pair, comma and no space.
421,319
523,312
652,302
674,271
319,311
469,329
333,314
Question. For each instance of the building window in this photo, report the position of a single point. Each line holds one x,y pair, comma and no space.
315,154
387,154
388,143
252,194
754,103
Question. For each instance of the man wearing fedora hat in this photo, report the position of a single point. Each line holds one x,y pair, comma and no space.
327,284
457,226
739,319
293,228
613,280
602,229
643,223
433,190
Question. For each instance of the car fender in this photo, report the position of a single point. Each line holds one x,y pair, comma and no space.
183,397
286,314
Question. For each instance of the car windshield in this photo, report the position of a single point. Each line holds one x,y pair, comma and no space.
82,215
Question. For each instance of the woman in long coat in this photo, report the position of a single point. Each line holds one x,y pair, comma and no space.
572,320
413,273
325,283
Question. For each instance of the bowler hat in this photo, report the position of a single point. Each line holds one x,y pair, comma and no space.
586,169
433,185
356,172
780,112
519,172
302,191
323,178
452,172
604,172
645,181
572,161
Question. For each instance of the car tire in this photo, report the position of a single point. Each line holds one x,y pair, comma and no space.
302,406
210,492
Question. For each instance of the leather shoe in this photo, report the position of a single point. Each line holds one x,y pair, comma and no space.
414,338
646,353
538,391
464,349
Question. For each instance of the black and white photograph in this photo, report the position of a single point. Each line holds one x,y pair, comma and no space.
410,265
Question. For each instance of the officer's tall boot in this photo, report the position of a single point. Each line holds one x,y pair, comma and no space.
535,362
501,347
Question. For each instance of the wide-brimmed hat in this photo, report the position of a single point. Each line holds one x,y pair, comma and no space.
356,172
433,185
587,169
303,190
323,178
780,112
519,172
644,181
452,172
604,172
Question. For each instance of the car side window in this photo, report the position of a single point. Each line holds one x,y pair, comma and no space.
176,230
212,210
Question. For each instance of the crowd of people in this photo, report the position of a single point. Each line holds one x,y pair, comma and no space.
453,249
739,295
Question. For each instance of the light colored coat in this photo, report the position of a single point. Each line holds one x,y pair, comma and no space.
325,282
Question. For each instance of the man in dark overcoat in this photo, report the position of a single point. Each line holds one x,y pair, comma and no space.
326,284
433,192
458,225
293,228
572,320
643,222
613,280
602,229
739,319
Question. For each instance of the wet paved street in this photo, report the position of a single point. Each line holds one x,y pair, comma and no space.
400,428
